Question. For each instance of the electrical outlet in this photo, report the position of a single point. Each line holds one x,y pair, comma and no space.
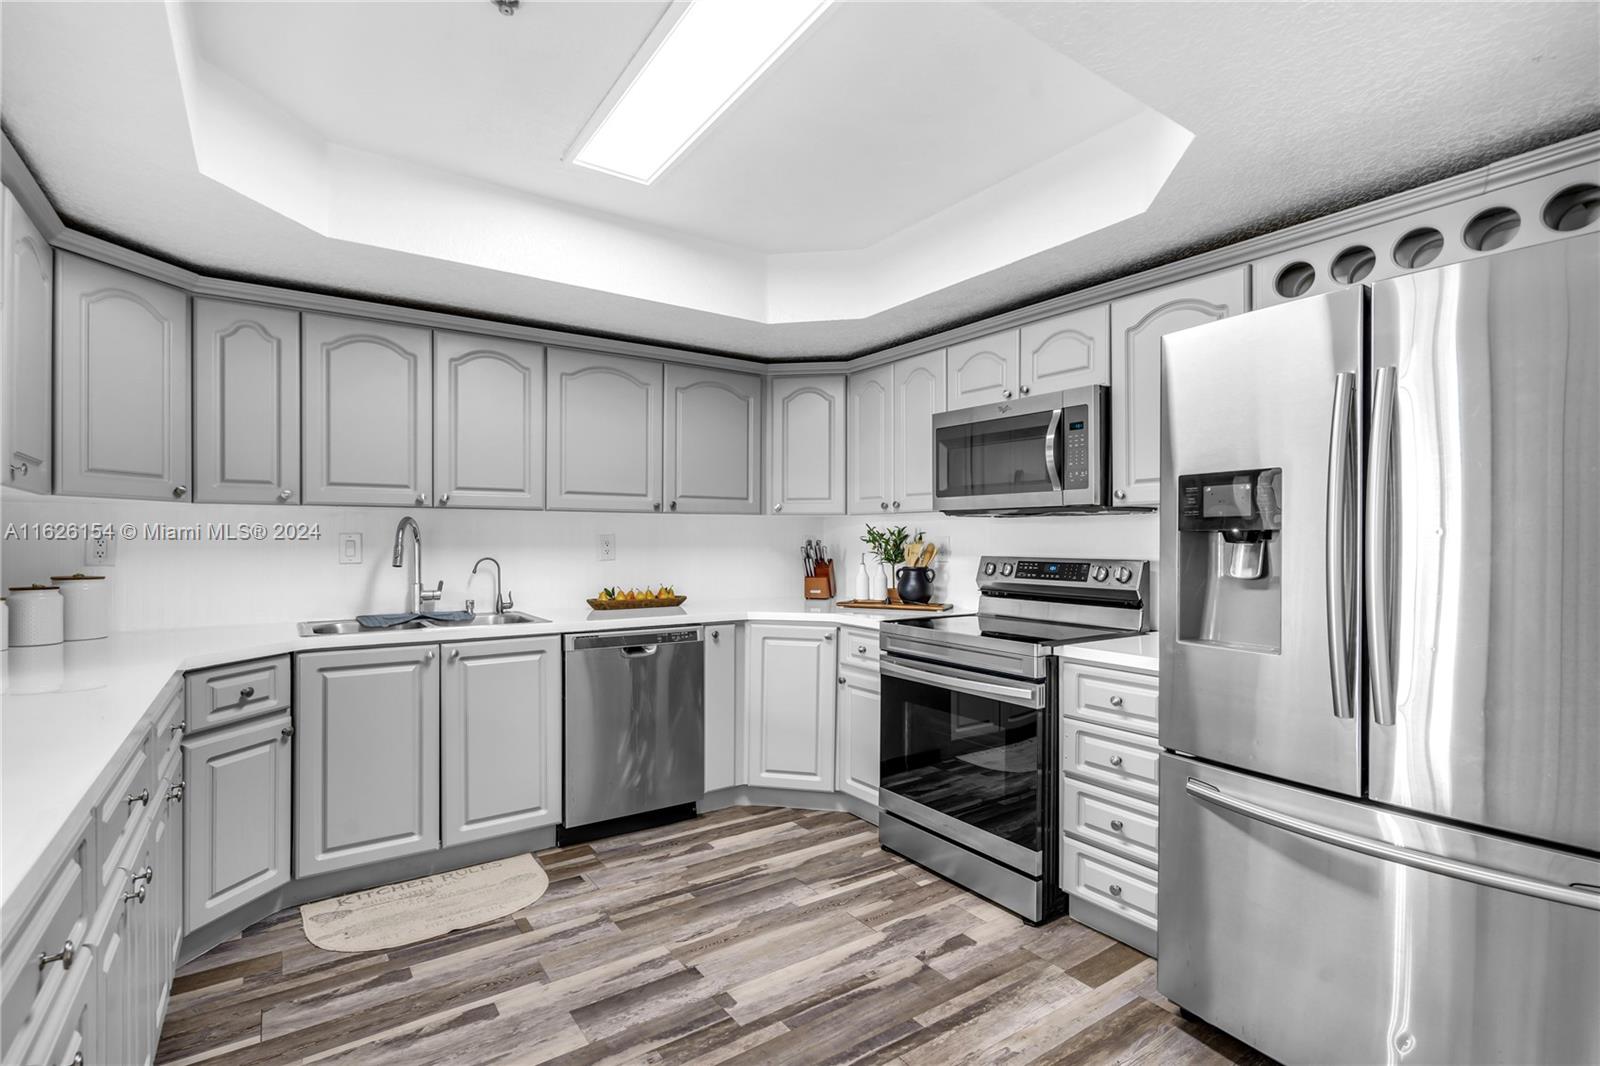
606,547
349,548
100,550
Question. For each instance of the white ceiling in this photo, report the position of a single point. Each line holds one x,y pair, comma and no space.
905,167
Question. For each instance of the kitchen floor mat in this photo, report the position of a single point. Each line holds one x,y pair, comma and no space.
390,916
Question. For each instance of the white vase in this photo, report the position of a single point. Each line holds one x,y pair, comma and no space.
865,579
886,582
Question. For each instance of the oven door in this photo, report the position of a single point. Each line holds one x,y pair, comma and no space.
967,756
999,457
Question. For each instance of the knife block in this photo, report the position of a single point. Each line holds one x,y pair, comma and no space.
820,587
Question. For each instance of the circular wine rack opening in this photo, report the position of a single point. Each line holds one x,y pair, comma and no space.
1418,248
1491,229
1353,264
1295,279
1573,208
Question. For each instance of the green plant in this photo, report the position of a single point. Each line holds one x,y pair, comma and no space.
889,544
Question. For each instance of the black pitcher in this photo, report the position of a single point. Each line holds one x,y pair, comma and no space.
915,583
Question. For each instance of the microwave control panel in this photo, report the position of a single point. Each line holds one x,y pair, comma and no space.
1075,447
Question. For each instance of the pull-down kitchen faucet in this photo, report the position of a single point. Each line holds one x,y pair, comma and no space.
418,595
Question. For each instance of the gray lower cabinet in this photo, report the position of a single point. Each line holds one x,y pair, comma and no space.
27,273
712,451
1137,325
122,383
246,403
367,425
722,707
859,714
236,806
806,444
488,422
605,432
367,760
501,747
792,676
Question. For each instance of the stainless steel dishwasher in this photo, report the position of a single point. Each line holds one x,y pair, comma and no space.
635,729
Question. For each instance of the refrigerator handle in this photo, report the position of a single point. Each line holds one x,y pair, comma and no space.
1380,471
1340,589
1379,849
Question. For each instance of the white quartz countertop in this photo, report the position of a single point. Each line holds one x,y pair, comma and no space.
1141,653
68,710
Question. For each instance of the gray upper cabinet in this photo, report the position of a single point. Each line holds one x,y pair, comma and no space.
246,403
1067,351
122,383
236,817
367,765
713,441
605,432
501,753
919,394
869,451
488,423
1137,325
26,294
368,412
986,370
805,450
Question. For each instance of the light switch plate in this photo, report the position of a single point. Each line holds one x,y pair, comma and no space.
606,547
349,548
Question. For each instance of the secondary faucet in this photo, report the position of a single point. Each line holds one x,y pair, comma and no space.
418,595
501,606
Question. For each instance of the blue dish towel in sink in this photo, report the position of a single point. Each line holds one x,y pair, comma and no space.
387,621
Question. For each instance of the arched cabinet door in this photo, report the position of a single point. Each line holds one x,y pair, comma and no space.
805,452
368,412
25,309
983,371
488,422
246,403
713,441
1068,351
122,383
919,394
604,415
869,450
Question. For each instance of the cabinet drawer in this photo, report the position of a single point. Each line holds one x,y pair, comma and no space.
1110,697
224,695
61,914
120,812
1115,757
1108,819
1111,882
859,648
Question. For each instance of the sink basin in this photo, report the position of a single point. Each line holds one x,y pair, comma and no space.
350,625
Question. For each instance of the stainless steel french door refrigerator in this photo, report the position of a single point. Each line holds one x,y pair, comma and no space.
1380,707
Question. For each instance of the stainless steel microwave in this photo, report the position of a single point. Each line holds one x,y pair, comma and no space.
1041,454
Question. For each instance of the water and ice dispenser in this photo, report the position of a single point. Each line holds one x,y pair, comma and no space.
1230,530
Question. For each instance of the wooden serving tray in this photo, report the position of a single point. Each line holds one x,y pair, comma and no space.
885,605
636,605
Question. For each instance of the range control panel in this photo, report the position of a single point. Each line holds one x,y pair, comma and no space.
998,570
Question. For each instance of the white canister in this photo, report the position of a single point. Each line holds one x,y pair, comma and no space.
38,616
86,605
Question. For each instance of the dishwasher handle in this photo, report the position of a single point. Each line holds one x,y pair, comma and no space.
639,651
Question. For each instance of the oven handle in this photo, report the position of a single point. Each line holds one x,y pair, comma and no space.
1050,437
1022,695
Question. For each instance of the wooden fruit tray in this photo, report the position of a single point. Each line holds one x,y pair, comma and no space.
636,605
885,605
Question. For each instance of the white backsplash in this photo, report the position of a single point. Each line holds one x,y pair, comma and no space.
549,558
962,541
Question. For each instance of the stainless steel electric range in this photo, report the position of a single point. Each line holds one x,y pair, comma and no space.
967,777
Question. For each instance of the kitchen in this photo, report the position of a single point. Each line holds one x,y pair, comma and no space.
432,464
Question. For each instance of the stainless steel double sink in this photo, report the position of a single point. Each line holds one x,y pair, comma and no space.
339,626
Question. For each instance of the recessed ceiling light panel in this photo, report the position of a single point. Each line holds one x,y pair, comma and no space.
712,52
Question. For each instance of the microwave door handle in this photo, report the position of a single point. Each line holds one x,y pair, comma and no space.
1380,474
1337,546
1052,437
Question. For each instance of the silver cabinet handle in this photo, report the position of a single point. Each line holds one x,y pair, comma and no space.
1116,889
1341,467
142,796
428,655
777,507
64,956
286,732
1116,760
1115,701
137,893
827,636
861,649
1005,394
180,728
180,491
1119,494
1380,469
147,875
284,494
455,653
246,692
444,500
77,1058
1116,825
1489,877
716,636
175,793
421,499
1025,390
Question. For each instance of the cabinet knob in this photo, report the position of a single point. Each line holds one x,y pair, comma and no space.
444,500
827,636
142,796
1005,394
1116,701
284,494
1116,889
180,491
147,875
777,507
897,505
421,499
64,956
175,793
136,894
861,649
673,505
1116,760
246,692
287,731
428,655
455,653
1116,825
1119,494
716,636
77,1058
656,506
1025,390
180,728
884,506
841,680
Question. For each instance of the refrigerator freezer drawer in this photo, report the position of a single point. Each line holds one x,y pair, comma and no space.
1109,882
1107,756
1108,819
1127,701
1277,900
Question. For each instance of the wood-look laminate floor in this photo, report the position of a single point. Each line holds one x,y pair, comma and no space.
751,935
